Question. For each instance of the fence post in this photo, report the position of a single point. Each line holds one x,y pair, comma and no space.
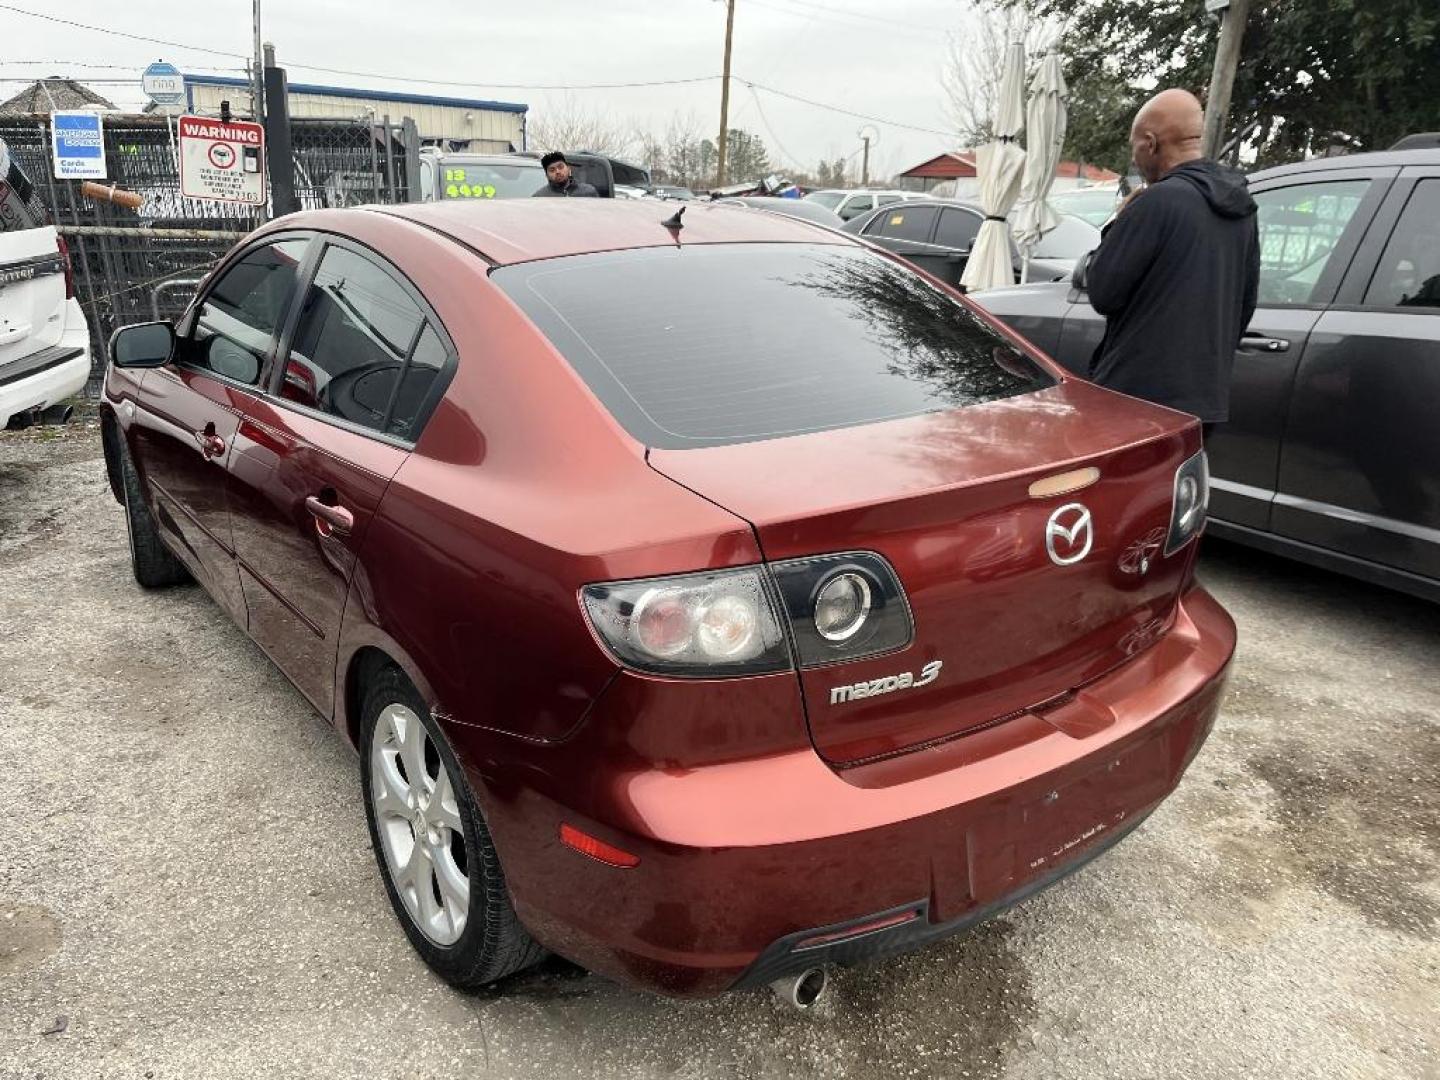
391,192
280,158
410,134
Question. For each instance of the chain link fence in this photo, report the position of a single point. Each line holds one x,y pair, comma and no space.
137,265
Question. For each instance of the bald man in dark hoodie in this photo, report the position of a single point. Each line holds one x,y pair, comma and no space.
1177,271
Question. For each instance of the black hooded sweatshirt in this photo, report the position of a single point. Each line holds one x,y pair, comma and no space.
1176,276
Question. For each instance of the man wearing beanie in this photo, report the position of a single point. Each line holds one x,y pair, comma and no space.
563,184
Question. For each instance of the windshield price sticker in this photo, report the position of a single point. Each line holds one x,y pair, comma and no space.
457,186
222,161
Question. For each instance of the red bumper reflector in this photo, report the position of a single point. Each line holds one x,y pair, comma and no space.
598,850
857,931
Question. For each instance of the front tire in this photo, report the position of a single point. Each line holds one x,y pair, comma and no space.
434,851
154,564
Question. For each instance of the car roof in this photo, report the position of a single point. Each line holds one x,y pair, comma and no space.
521,230
1378,159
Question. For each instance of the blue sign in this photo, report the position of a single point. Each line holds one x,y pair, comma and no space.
78,142
163,84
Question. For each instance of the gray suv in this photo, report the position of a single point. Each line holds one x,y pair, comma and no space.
1332,452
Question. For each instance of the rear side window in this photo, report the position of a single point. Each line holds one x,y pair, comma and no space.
1409,271
718,344
958,229
907,223
363,350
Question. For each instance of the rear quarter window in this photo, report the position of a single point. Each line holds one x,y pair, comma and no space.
718,344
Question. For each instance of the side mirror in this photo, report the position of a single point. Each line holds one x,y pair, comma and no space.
1080,276
144,345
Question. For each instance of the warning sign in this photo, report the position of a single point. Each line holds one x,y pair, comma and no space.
223,160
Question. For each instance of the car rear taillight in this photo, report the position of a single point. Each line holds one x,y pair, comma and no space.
708,624
731,622
1190,503
69,267
843,607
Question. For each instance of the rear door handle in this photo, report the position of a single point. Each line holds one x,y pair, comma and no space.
211,445
330,519
1256,343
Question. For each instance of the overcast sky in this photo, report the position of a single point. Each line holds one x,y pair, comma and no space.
882,60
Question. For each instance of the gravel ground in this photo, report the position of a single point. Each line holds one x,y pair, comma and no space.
187,889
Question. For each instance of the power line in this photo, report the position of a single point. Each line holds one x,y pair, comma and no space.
847,112
122,33
503,86
765,123
839,17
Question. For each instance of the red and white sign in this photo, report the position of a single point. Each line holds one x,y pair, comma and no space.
222,160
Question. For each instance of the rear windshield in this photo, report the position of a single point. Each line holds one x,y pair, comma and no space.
717,344
467,180
1070,239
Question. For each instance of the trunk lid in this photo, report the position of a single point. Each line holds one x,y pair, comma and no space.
32,292
945,497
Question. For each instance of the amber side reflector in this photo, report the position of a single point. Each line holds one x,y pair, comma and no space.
598,850
1063,483
857,931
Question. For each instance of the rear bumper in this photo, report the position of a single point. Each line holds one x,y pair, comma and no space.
757,868
49,375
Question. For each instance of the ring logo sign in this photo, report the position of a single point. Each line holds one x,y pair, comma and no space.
1069,534
78,142
888,685
223,161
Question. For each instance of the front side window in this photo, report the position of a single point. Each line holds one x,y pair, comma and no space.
243,311
907,222
1409,272
828,199
358,335
1300,227
832,336
856,206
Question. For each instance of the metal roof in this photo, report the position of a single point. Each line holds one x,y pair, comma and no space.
367,95
1381,158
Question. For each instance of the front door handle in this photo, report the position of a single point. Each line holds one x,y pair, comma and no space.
330,519
1257,343
211,445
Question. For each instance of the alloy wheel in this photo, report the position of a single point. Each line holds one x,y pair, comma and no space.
417,817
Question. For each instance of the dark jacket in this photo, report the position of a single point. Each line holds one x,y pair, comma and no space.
1176,276
571,189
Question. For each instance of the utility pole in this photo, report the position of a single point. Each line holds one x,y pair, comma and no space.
724,93
865,163
1233,16
258,91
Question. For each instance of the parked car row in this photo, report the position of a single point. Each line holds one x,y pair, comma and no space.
1332,452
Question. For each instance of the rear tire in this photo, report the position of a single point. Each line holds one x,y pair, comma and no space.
420,851
154,564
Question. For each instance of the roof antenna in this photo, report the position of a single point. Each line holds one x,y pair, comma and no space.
674,223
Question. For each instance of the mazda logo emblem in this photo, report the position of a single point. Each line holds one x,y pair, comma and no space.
1069,534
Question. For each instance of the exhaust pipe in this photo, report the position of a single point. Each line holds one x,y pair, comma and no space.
58,414
803,990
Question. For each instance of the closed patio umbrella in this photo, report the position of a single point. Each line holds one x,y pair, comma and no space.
1045,120
999,165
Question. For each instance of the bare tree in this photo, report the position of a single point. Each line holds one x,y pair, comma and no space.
971,76
565,124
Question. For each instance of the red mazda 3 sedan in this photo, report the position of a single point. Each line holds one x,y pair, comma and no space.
709,601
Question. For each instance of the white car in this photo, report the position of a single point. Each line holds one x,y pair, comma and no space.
851,204
44,339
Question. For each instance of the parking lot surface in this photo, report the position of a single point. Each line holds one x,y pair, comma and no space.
187,888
